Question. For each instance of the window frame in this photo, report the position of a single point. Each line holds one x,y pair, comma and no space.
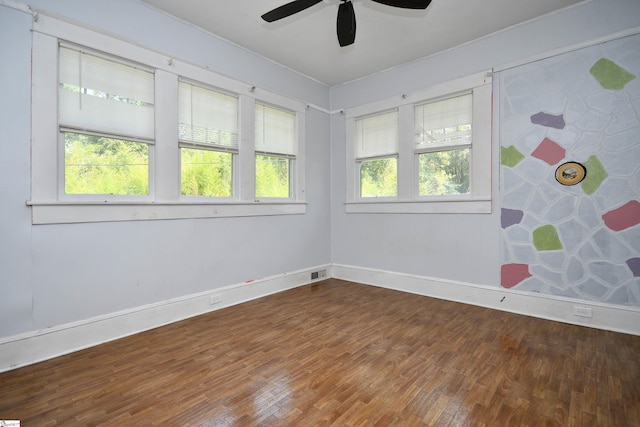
235,152
376,156
63,129
292,158
164,201
440,147
408,200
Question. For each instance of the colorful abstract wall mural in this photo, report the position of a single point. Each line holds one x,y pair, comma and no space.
579,241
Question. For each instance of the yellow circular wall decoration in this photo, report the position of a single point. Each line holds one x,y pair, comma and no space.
570,173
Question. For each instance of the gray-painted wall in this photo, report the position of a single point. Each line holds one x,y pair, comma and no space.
16,261
55,274
455,247
52,274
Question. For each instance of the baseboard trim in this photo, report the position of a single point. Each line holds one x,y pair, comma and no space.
32,347
604,316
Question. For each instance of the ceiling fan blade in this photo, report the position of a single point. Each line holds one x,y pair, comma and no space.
406,4
289,9
346,23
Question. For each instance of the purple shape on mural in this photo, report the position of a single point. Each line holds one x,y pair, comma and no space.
634,266
548,120
509,217
549,151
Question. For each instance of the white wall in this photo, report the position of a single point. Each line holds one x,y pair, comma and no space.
15,221
444,246
572,26
141,24
57,274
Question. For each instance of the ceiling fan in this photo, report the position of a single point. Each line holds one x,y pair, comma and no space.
346,22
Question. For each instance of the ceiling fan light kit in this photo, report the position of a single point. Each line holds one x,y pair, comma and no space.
346,21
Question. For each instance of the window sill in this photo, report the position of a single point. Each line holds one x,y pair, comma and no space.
420,207
81,212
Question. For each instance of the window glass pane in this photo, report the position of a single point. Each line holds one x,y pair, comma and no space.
206,173
444,172
207,116
379,178
275,130
272,176
100,165
447,121
105,95
377,135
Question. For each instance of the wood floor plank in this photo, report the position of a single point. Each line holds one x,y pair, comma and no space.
338,353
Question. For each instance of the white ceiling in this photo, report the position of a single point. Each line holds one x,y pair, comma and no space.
385,36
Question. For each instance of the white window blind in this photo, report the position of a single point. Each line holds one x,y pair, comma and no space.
102,95
275,131
207,117
377,135
444,122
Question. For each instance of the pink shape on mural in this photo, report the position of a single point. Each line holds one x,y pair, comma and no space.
549,151
624,217
512,274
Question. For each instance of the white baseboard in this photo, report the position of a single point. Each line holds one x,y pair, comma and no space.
604,316
32,347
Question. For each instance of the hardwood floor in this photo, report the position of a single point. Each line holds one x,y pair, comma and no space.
341,354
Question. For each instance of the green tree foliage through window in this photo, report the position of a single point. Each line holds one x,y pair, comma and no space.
272,176
379,178
444,172
101,165
206,173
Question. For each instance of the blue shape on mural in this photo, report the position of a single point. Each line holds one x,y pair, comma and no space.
634,266
548,120
509,217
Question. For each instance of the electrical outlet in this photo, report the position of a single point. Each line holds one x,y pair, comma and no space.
582,311
215,300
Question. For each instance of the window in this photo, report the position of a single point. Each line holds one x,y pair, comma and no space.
208,137
275,143
106,123
377,154
122,133
443,145
425,152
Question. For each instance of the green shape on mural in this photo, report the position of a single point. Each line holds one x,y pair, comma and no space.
610,75
546,238
596,174
510,156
